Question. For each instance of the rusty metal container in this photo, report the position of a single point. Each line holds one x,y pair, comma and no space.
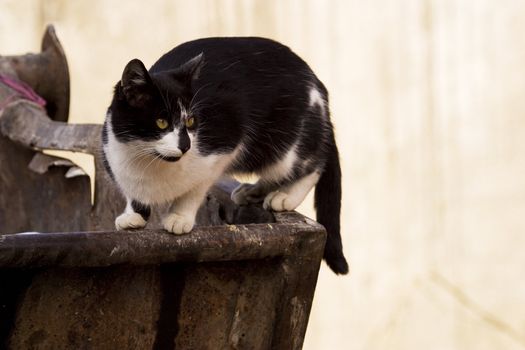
220,287
242,279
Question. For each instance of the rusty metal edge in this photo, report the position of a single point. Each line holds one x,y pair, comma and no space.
27,124
51,45
144,247
300,271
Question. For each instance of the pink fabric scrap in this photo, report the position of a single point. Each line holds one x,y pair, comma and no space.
22,90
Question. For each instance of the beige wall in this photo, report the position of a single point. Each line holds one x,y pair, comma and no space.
428,98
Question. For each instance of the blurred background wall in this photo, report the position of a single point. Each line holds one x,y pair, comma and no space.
428,101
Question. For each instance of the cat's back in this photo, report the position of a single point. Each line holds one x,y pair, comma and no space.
232,55
262,93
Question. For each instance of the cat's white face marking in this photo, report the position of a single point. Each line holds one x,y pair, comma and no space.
316,99
168,145
282,168
183,110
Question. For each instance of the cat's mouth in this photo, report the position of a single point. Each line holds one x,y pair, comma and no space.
166,158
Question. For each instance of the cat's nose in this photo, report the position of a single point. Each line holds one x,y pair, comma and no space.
184,148
184,145
184,142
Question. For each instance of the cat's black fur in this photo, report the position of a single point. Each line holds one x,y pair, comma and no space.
249,95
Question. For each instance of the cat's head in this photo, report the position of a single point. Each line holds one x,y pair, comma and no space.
153,111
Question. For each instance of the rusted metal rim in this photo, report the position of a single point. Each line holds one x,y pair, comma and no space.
144,247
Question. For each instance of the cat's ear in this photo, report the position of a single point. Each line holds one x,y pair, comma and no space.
191,69
136,83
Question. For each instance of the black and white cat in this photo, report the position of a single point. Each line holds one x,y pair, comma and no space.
220,106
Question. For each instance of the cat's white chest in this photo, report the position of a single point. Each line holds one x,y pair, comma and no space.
158,182
154,181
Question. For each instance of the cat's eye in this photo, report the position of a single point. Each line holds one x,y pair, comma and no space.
162,123
190,122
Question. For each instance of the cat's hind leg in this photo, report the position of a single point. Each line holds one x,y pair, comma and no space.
278,194
289,197
135,215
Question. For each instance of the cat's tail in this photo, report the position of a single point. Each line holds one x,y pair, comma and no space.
327,202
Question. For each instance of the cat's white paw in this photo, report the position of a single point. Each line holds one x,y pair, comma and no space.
280,201
129,220
178,224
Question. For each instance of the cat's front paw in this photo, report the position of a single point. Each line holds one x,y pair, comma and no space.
178,224
129,220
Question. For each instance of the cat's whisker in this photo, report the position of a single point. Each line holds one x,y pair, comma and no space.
130,165
197,93
155,158
136,158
